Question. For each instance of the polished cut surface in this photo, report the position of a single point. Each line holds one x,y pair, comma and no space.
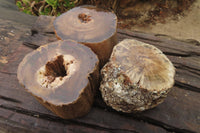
86,24
57,73
91,26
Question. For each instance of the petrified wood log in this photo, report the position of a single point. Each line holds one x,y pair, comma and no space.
61,78
94,27
137,77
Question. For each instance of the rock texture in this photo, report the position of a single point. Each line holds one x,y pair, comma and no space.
137,77
19,109
61,78
91,26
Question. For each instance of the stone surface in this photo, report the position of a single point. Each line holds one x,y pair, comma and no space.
20,112
137,77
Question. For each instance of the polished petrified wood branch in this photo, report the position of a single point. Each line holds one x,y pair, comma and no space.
63,76
94,27
137,77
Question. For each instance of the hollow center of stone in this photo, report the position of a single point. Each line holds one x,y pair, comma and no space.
55,68
54,73
84,18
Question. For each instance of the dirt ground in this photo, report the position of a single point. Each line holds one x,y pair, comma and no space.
185,26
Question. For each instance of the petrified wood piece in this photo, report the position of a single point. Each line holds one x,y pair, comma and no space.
94,27
137,77
18,108
61,78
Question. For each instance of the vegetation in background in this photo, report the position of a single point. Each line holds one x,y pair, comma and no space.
129,12
45,7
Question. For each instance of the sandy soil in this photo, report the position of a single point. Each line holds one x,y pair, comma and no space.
185,27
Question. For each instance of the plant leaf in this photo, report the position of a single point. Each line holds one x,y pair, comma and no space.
19,4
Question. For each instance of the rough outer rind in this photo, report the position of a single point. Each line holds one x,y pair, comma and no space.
118,92
121,92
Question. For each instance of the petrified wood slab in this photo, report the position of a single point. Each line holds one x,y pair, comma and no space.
137,77
20,112
61,78
91,26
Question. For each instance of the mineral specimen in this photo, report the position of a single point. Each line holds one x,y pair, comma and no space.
137,77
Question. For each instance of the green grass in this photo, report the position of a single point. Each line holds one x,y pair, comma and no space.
44,7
